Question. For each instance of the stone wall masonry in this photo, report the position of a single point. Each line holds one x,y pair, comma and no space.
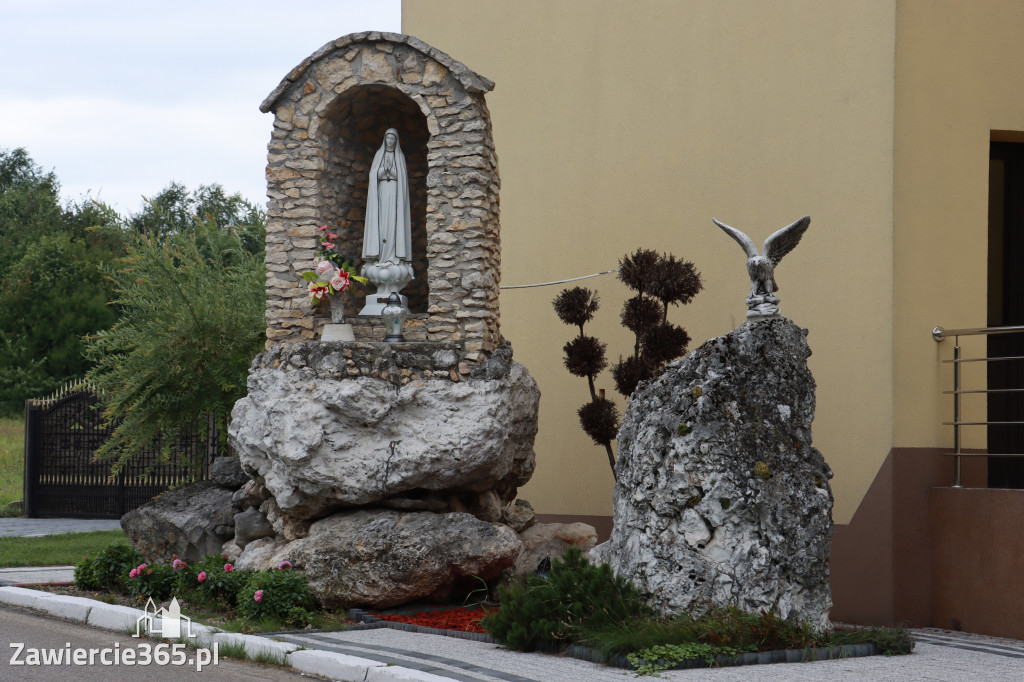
330,114
397,363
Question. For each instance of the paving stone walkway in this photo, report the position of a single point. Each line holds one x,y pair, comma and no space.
940,655
30,575
31,528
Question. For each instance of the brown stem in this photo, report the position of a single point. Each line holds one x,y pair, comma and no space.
611,460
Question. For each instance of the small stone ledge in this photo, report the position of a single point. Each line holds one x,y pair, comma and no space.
393,362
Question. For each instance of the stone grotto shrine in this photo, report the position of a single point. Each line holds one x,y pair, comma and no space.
387,472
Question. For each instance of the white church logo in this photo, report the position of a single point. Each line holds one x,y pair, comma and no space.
162,622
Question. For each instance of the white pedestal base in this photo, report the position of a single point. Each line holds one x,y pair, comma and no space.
390,278
337,332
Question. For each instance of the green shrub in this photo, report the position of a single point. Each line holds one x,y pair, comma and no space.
723,628
277,595
192,317
892,641
151,581
889,641
761,630
548,613
110,568
85,575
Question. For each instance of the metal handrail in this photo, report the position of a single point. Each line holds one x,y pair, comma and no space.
938,333
1005,357
987,390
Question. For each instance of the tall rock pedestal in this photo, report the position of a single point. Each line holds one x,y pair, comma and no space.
721,499
328,426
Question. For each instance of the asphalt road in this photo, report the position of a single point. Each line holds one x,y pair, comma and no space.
40,633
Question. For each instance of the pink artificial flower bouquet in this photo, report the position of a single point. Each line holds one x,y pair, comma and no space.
332,273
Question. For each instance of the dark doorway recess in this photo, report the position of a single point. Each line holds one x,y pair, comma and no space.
1006,307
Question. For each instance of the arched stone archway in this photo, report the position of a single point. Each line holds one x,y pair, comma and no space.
330,115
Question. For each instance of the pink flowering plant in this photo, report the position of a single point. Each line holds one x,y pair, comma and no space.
150,581
268,599
211,581
332,272
280,595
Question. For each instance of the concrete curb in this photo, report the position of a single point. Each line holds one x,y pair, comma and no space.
121,618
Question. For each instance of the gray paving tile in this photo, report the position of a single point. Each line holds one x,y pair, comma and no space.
23,527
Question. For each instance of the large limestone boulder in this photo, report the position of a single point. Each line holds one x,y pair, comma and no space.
550,541
721,499
227,473
191,522
320,440
381,557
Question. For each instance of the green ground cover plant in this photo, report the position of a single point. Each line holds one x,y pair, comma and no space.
55,550
579,603
12,457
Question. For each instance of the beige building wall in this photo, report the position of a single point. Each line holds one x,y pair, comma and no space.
958,78
621,125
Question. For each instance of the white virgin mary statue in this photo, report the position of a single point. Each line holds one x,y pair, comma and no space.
387,235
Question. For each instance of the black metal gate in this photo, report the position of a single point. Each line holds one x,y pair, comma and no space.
63,479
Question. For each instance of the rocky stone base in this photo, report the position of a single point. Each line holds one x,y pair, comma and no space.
191,522
721,499
385,472
382,558
321,439
369,557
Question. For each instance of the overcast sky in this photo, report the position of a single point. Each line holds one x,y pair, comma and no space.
120,98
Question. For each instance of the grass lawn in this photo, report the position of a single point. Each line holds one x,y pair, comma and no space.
12,456
55,550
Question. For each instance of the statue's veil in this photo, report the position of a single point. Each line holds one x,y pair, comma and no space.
403,231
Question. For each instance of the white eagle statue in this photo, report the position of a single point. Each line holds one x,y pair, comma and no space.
761,267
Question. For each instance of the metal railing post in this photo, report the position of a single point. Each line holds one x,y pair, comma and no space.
939,334
956,412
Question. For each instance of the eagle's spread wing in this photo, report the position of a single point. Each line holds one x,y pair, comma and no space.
785,240
742,239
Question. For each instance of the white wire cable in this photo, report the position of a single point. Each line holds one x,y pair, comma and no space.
561,281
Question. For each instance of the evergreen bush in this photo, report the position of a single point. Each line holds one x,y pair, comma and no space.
550,612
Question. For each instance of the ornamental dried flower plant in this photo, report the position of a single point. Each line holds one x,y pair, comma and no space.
659,280
332,272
